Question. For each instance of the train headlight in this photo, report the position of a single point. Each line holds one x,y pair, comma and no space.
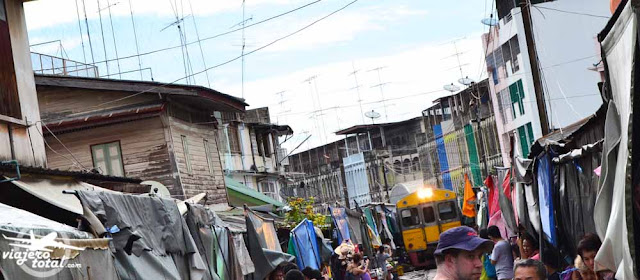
425,193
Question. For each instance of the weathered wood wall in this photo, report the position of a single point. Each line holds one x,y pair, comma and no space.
200,179
142,142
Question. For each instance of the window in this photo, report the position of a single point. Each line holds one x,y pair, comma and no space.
410,217
428,214
207,151
262,142
234,141
406,166
269,189
526,138
415,164
9,99
491,67
446,110
107,159
447,210
505,105
516,92
515,51
397,166
506,54
185,149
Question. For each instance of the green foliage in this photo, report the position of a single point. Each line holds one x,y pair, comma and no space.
301,209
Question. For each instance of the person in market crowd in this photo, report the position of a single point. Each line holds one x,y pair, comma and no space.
288,266
278,273
488,270
357,268
458,254
588,248
340,260
294,274
552,263
582,272
381,261
529,269
529,248
501,256
312,274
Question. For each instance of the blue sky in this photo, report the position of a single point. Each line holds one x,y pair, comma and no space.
412,40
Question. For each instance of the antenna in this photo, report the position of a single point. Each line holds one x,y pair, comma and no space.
380,85
372,115
357,87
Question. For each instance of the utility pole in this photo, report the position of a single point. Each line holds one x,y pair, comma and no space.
479,128
525,6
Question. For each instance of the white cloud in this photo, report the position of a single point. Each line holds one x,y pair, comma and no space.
339,28
46,13
415,78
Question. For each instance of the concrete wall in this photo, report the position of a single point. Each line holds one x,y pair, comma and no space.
566,51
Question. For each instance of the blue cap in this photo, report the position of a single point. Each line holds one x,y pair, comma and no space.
461,238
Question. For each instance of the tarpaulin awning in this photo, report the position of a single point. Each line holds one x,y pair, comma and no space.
240,195
95,258
545,196
619,41
50,190
339,217
306,245
264,247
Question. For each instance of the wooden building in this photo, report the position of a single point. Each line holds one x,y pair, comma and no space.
147,130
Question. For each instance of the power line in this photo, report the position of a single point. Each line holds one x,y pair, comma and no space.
210,37
573,13
104,45
222,63
195,24
113,34
135,37
81,37
86,23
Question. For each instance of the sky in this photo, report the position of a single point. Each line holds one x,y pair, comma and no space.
300,65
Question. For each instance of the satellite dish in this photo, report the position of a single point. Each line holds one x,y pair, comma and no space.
451,88
157,189
372,115
489,21
465,81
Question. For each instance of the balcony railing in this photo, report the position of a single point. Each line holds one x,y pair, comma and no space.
51,65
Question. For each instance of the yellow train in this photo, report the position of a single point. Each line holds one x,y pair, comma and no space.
422,216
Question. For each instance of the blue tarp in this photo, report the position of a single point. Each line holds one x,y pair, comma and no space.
442,157
545,195
339,216
304,237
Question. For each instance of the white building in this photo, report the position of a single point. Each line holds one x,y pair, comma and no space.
565,32
251,153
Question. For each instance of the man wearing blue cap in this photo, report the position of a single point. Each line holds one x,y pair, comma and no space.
459,254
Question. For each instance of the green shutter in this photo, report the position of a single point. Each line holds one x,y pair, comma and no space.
524,143
530,131
473,155
521,99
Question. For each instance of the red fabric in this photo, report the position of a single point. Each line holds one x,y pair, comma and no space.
494,205
506,187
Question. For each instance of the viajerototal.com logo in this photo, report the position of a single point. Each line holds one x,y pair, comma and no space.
36,256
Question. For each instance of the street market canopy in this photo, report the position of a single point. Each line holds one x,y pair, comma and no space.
240,194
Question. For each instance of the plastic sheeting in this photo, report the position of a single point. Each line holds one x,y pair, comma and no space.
306,245
153,241
619,46
339,217
263,245
96,259
577,190
545,196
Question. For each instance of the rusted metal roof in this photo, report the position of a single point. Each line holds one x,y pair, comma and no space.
183,92
74,174
364,128
79,121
